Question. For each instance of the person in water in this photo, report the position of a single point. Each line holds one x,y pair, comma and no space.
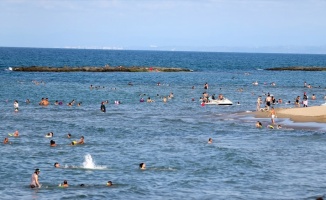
56,165
16,105
16,133
64,184
103,109
81,141
68,135
6,141
109,183
52,143
210,141
142,166
34,179
259,124
49,134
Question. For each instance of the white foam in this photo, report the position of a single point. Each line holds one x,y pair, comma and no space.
90,164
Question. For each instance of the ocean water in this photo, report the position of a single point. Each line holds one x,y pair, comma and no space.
171,138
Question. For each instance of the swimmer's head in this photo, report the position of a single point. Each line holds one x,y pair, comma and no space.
142,166
65,182
56,165
109,183
52,142
69,135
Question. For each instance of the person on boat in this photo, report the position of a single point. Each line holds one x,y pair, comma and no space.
103,109
220,97
210,141
34,179
52,143
16,133
142,166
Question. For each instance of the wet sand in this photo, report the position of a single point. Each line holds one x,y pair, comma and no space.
302,114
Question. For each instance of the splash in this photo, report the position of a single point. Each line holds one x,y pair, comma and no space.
90,164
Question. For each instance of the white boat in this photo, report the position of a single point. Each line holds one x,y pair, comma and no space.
223,102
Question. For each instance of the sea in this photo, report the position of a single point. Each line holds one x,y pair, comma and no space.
243,162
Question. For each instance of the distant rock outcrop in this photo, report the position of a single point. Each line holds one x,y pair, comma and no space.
98,69
297,68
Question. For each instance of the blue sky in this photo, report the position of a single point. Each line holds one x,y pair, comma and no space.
212,25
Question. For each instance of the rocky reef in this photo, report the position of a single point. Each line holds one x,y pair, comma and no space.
297,68
98,69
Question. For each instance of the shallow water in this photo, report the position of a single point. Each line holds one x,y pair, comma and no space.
171,138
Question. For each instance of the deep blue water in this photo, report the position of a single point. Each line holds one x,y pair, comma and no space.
171,138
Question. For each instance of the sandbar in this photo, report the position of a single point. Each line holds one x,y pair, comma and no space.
302,114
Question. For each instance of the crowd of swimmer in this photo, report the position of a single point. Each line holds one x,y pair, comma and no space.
45,102
269,101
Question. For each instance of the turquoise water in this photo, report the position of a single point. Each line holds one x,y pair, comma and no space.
171,138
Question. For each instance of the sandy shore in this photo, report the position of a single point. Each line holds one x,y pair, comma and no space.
308,114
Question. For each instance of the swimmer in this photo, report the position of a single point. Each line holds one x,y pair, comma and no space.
79,104
149,100
141,100
109,183
34,179
81,141
16,134
259,124
279,126
16,105
6,141
49,134
52,143
56,165
142,166
68,135
103,109
64,184
210,141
